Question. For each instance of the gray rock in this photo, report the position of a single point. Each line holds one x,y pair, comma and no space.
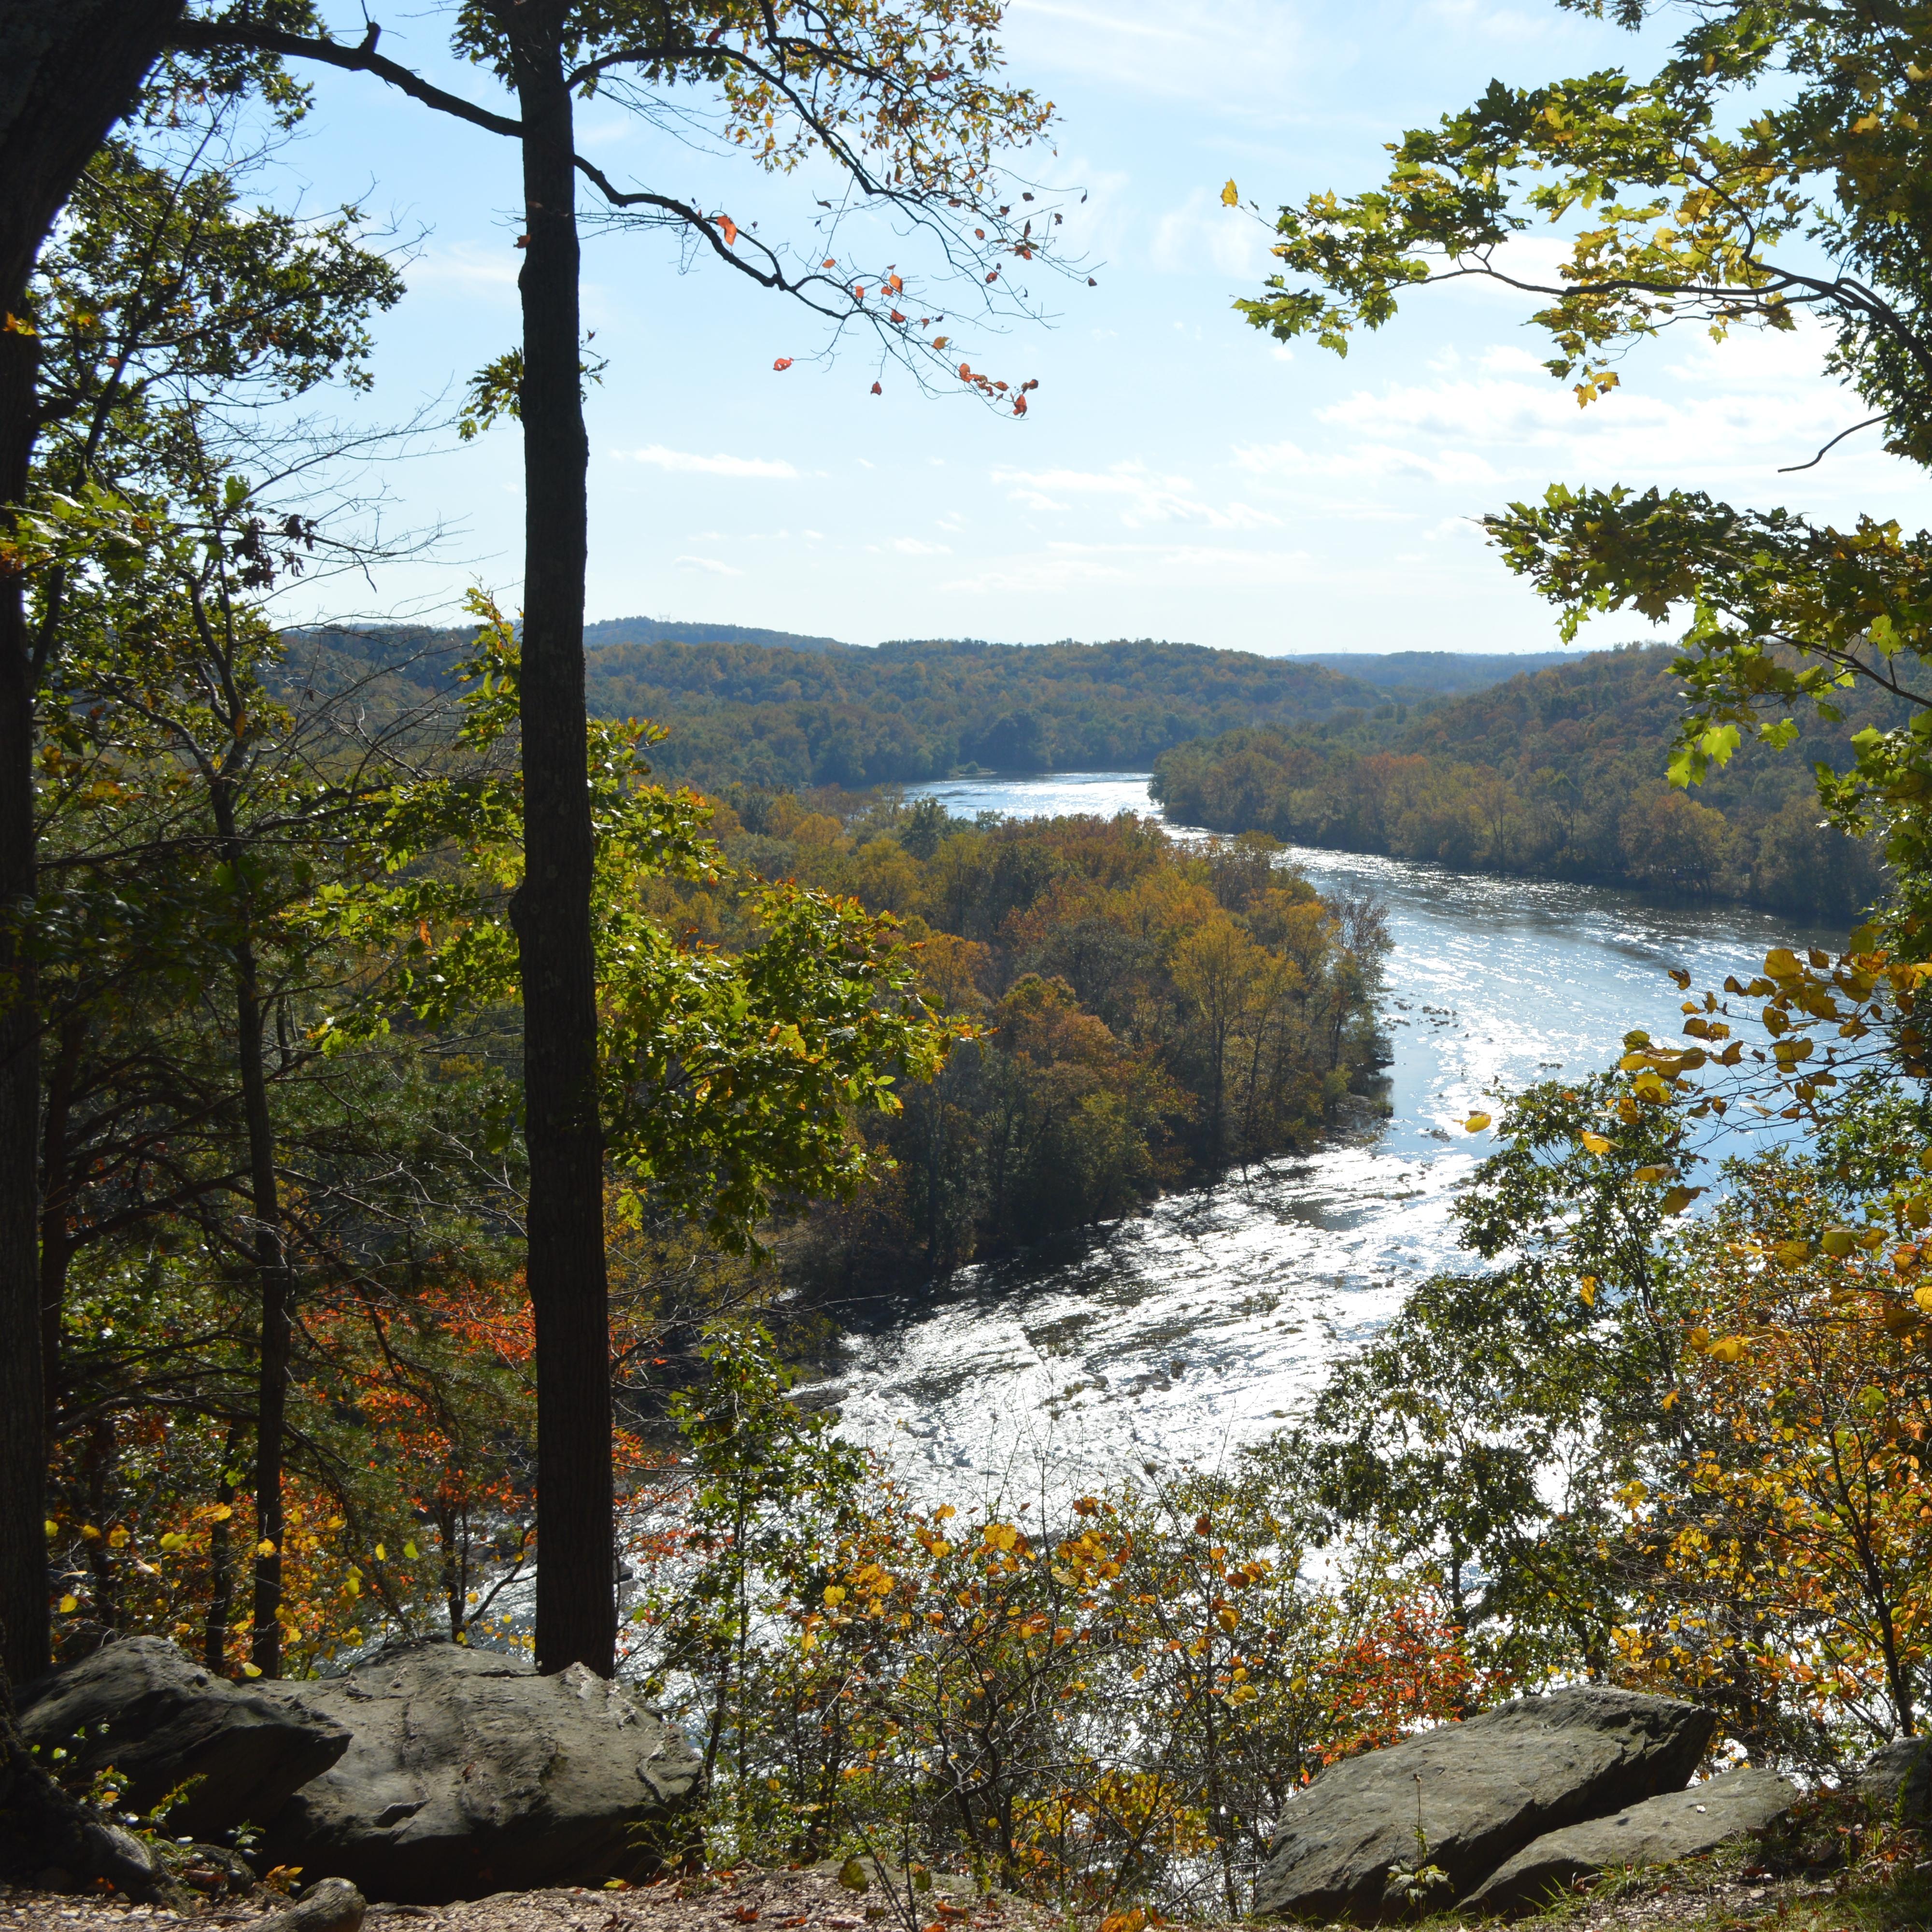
1488,1788
333,1905
1678,1824
469,1773
160,1719
1897,1781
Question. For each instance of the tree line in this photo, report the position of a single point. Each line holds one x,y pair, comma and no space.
1560,774
789,720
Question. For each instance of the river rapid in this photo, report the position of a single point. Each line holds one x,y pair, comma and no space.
1185,1332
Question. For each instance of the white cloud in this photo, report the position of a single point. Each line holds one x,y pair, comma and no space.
1361,462
684,462
914,547
710,565
1144,497
1203,233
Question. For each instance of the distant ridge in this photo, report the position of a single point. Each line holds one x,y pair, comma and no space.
1453,673
610,631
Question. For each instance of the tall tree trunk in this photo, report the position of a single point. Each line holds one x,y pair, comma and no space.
68,70
57,1244
576,1613
271,1272
23,1558
221,1564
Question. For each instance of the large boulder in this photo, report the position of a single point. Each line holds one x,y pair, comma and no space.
1485,1790
1896,1781
1676,1825
469,1773
160,1720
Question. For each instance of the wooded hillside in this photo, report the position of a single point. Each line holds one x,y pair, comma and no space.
1559,774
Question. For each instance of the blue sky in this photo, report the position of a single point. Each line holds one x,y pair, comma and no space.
1179,475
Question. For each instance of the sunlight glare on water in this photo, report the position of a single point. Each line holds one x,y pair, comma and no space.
1194,1329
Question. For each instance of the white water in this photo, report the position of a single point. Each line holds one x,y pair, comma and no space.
1196,1327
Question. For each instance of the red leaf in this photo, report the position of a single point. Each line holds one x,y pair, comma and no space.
994,277
965,372
897,316
1019,405
877,391
1091,283
728,228
783,362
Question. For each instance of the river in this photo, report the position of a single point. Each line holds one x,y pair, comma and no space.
1198,1327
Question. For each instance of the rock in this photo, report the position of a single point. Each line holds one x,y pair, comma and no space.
333,1905
469,1773
1488,1788
159,1719
1678,1825
1897,1781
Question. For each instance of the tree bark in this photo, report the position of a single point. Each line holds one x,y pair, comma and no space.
271,1272
576,1601
23,1547
68,70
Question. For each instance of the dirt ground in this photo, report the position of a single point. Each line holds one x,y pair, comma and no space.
1706,1896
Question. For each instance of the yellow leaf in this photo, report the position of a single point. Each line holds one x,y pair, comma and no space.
69,1605
117,1539
1586,1290
174,1540
51,1528
1670,1400
1793,1252
1475,1124
1781,963
1230,196
1923,1296
382,1555
835,1595
1676,1199
1596,1144
1730,1348
1866,124
255,1670
265,1548
410,1549
1838,1240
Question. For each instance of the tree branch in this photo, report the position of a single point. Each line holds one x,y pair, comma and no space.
206,36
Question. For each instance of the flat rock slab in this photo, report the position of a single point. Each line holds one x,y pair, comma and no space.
1487,1788
160,1719
1677,1825
467,1773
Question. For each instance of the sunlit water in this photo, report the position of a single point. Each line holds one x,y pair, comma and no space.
1196,1328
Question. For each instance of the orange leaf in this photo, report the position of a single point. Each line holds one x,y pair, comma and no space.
965,373
894,283
728,228
994,277
830,262
859,292
1019,405
897,316
783,362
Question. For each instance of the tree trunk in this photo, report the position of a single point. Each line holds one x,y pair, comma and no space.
271,1272
576,1606
221,1564
23,1547
68,70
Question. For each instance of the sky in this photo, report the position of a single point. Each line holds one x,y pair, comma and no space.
1178,475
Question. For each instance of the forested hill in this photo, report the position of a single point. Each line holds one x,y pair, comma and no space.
1559,773
1410,674
610,631
782,718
